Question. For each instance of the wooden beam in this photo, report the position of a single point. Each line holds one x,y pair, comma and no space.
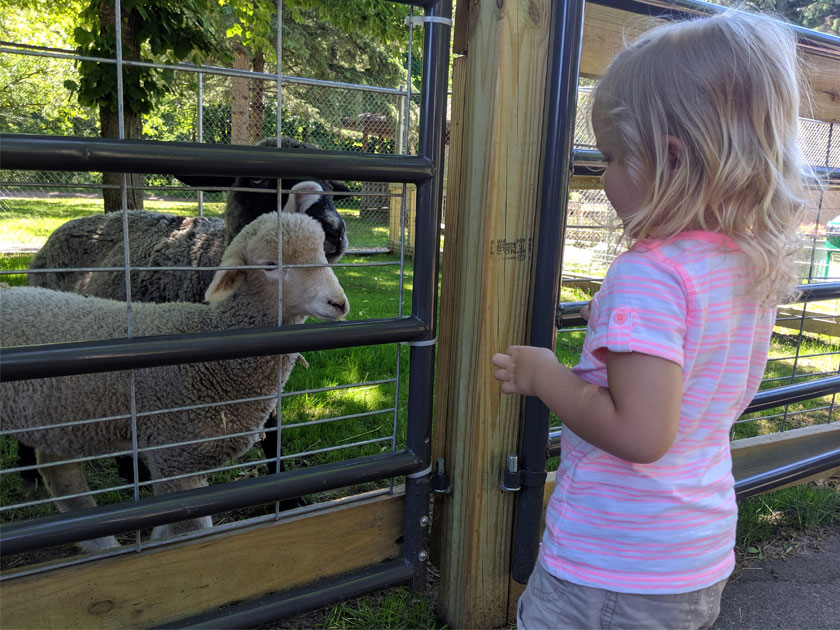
485,294
606,29
461,29
755,455
449,303
170,583
821,323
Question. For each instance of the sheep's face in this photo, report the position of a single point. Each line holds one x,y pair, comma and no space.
307,291
307,197
313,292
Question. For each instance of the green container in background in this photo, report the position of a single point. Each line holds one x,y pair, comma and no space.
832,248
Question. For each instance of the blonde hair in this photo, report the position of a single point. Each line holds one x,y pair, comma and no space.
727,88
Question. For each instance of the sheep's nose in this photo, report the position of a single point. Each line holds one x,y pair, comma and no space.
341,306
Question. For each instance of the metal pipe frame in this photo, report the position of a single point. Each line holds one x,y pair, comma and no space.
561,105
763,400
49,360
568,313
762,482
63,153
797,392
591,162
424,297
37,152
107,520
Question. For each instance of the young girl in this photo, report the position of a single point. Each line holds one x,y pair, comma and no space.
698,123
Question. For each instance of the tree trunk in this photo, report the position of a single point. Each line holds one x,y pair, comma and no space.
257,104
240,118
109,120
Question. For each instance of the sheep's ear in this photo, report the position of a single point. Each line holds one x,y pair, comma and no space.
225,281
339,187
303,195
204,181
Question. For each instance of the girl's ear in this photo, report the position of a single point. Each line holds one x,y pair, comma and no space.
676,150
225,281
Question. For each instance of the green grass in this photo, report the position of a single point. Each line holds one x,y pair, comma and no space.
27,222
395,609
781,516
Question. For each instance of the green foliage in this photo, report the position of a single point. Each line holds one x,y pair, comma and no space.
252,22
765,518
164,32
32,97
371,19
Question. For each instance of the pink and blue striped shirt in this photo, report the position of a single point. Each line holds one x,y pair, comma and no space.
669,526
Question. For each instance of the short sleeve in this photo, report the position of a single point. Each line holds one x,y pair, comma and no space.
642,306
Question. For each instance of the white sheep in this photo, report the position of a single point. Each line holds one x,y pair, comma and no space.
237,299
165,240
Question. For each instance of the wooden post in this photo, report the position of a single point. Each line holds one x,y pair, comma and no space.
605,29
491,213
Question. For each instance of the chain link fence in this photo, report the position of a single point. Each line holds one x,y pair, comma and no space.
215,106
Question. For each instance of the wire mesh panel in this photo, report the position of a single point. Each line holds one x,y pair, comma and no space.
337,404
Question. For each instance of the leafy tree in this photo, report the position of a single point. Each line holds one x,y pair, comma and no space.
818,15
32,98
160,31
357,41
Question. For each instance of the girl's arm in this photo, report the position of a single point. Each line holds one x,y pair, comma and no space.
636,419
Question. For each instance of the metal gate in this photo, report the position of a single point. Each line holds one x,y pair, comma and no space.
416,330
566,153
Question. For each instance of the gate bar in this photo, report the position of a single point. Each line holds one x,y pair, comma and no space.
421,376
794,393
591,162
61,359
107,520
33,152
763,400
568,313
559,125
762,482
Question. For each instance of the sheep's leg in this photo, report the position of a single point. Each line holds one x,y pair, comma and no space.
269,447
175,485
66,479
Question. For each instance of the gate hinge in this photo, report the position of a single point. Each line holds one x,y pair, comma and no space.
514,478
440,479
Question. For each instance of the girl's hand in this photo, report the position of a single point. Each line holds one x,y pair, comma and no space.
584,313
519,367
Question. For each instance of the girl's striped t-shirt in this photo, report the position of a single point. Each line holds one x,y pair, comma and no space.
669,526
